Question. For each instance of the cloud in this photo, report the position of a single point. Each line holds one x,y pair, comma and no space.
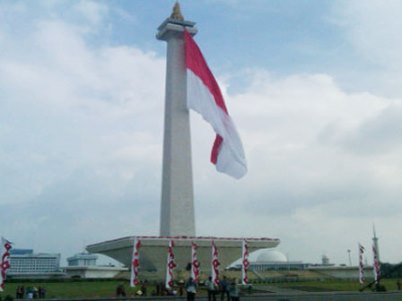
80,135
372,29
93,11
81,145
379,135
320,159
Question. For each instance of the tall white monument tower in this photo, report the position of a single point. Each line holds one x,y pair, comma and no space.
177,204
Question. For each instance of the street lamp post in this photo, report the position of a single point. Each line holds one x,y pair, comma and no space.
350,259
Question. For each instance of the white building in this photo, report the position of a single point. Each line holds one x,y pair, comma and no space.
83,265
82,260
26,263
269,259
94,272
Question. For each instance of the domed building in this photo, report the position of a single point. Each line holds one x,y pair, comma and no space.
269,259
268,255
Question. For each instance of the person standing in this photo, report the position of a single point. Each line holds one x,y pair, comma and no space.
120,291
234,292
210,289
143,288
17,293
224,289
181,286
191,289
22,292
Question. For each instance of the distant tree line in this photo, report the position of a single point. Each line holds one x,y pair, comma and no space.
389,270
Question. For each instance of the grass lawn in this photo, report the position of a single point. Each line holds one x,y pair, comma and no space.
102,289
73,289
81,288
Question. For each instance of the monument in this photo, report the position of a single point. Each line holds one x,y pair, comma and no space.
177,206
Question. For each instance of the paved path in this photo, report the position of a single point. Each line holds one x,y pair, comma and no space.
289,296
278,290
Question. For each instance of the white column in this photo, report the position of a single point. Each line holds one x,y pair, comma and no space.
177,204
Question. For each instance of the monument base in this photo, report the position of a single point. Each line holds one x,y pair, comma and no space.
153,251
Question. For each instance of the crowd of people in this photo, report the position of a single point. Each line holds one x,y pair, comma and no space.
225,290
31,292
121,292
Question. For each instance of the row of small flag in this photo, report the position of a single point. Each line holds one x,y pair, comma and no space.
195,264
376,264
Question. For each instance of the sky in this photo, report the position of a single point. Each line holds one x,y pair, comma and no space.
312,86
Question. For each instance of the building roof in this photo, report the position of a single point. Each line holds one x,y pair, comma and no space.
21,251
263,256
268,255
83,256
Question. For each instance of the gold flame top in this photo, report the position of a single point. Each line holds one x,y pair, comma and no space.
176,13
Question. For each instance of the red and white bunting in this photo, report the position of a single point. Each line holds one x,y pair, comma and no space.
171,264
245,263
361,265
135,263
5,264
195,264
376,265
215,264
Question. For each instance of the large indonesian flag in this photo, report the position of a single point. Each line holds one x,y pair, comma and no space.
5,263
135,263
205,97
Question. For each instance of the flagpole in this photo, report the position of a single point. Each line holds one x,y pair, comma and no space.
361,264
135,262
215,263
170,265
5,263
245,263
195,264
